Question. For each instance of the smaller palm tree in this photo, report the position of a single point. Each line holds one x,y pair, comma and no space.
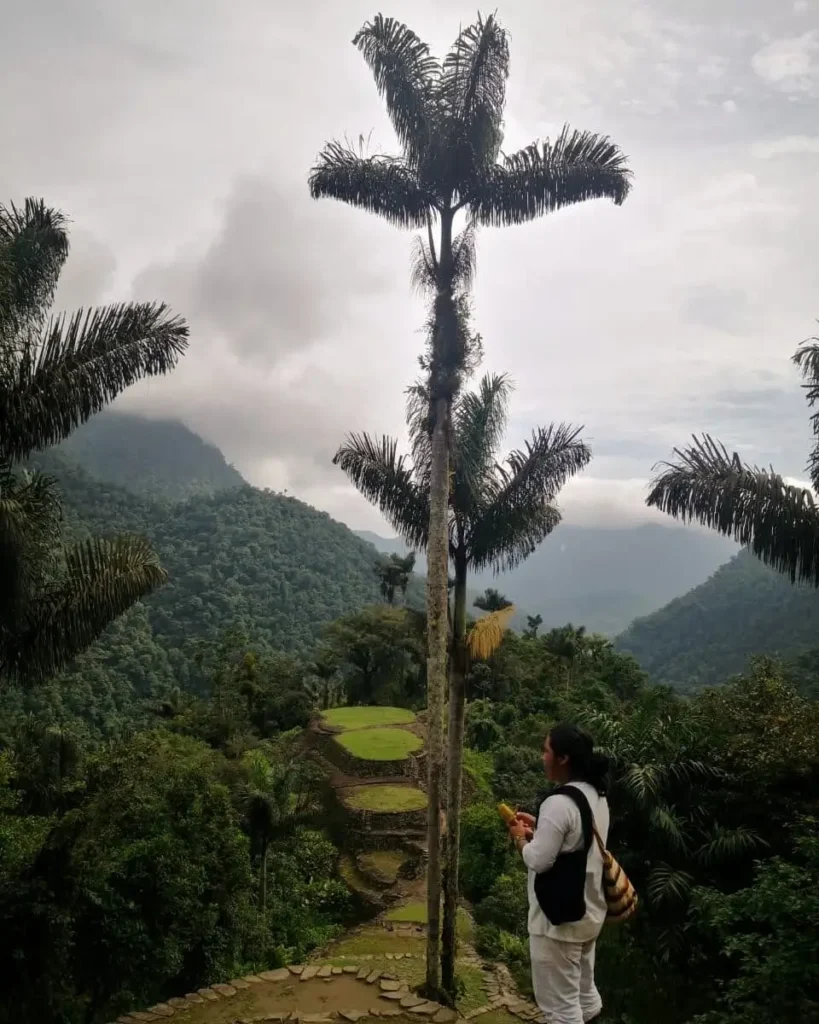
394,575
778,522
267,803
54,374
491,600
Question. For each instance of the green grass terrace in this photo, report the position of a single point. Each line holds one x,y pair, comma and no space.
349,719
380,744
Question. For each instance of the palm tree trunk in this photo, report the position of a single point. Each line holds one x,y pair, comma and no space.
437,635
263,878
455,749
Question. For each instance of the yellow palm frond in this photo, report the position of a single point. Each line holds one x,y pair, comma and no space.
486,635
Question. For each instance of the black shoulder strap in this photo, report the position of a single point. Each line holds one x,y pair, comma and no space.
586,818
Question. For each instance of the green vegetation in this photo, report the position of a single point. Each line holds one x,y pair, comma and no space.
386,798
387,862
153,458
409,913
708,635
363,718
380,744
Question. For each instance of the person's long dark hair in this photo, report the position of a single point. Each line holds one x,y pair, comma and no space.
585,763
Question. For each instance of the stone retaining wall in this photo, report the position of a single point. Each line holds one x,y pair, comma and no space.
410,767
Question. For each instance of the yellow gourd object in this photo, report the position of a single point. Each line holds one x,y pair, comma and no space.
506,812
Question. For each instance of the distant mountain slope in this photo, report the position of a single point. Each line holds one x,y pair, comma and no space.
601,578
246,557
161,458
708,634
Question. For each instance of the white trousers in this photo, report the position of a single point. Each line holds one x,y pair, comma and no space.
563,980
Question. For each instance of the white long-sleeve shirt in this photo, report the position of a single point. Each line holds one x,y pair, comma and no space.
560,830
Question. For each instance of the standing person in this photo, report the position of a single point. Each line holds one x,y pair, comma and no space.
567,907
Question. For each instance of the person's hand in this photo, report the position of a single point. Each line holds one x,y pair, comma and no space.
528,820
517,832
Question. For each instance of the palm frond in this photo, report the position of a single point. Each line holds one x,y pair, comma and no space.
518,511
33,249
486,636
669,824
643,782
381,475
424,270
405,75
473,91
777,521
669,886
379,184
83,363
480,421
725,844
807,359
543,178
101,580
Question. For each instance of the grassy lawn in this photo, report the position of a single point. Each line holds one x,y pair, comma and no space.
364,718
387,862
473,994
376,941
380,744
386,798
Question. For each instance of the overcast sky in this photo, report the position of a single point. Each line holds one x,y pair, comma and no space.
178,134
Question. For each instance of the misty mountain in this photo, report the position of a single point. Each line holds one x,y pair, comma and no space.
601,578
707,635
157,457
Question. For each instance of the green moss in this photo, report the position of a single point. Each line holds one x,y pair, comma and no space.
472,995
380,744
386,798
375,941
364,718
386,862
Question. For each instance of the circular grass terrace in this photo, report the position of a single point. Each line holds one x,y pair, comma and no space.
385,798
350,719
380,744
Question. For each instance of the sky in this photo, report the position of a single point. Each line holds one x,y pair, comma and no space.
177,135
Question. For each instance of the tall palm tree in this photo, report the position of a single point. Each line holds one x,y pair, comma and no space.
54,374
491,600
497,515
267,801
448,118
394,574
777,521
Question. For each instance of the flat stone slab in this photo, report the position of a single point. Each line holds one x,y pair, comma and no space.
391,1012
253,979
240,984
315,1018
387,985
224,990
276,1018
373,976
325,971
350,969
309,972
296,968
162,1010
337,970
351,1015
193,997
282,974
410,1001
208,993
362,973
397,996
445,1015
178,1003
426,1009
144,1015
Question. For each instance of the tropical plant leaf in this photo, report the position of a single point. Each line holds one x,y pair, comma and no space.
101,580
83,363
778,522
379,184
473,92
33,249
666,821
726,844
543,178
380,474
486,636
807,359
405,75
668,886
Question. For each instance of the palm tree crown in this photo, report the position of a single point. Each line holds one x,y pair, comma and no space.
779,522
54,374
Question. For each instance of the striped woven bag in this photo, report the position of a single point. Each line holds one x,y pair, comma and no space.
621,897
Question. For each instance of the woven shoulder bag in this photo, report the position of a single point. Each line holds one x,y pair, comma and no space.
621,897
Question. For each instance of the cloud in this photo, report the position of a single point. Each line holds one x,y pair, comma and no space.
790,145
181,153
789,63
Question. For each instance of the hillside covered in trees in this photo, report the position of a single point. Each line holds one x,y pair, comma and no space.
707,635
